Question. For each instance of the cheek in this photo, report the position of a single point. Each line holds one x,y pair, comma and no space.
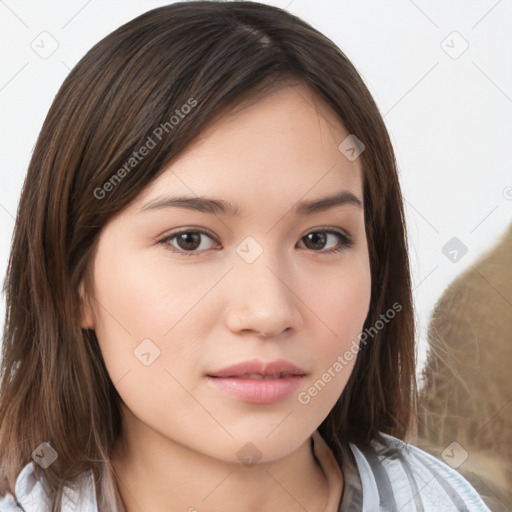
144,329
342,304
147,296
348,308
140,299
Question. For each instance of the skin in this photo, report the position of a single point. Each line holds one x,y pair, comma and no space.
205,311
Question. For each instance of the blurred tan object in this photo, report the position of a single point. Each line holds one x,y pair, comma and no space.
465,409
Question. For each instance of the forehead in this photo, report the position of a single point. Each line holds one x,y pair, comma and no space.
282,147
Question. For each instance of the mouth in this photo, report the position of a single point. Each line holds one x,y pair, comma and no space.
256,369
258,382
257,376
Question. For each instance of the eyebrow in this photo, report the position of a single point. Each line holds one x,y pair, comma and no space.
221,207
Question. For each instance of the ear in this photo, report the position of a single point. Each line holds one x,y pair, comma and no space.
87,318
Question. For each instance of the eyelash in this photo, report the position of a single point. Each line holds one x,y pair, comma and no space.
346,241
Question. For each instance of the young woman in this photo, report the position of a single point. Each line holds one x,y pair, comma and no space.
209,302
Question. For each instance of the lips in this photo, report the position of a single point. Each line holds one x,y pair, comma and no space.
256,369
258,382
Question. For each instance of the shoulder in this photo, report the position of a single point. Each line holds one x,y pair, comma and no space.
8,504
406,478
31,496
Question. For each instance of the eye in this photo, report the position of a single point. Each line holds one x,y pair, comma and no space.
317,240
188,241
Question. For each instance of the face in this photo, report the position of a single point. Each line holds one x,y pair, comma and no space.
183,293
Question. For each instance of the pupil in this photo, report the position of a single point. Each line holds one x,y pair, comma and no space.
315,237
189,238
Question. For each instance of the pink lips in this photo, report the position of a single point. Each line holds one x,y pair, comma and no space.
258,382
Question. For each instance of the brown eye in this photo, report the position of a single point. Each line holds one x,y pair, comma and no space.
187,241
316,241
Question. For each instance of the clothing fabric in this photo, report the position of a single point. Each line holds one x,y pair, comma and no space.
396,477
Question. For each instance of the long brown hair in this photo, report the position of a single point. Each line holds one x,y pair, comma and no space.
210,54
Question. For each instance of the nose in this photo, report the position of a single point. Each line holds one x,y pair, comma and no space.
262,299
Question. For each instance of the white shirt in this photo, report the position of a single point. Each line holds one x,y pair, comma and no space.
396,478
404,479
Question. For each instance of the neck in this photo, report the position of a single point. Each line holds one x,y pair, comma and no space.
161,475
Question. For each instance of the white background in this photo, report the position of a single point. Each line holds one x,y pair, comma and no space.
449,118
